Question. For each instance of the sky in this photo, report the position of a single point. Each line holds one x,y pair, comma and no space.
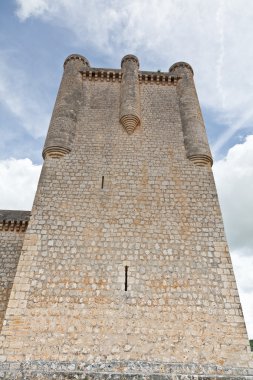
214,36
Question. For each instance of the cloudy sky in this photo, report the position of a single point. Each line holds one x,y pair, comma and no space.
214,36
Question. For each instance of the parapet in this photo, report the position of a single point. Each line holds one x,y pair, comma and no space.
130,57
181,67
76,57
13,220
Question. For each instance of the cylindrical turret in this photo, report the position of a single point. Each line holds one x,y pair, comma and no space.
130,93
62,126
195,138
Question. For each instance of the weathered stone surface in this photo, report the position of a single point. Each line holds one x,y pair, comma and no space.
13,224
128,370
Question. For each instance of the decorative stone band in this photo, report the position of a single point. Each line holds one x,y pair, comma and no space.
201,160
120,370
129,122
11,220
158,78
146,77
55,152
102,75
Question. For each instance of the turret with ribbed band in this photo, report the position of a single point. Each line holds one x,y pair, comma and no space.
130,93
195,139
63,122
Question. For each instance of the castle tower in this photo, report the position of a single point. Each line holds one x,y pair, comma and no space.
124,269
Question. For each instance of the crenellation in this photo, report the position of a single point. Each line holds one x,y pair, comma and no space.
130,58
18,226
102,75
181,67
76,57
11,220
158,78
112,75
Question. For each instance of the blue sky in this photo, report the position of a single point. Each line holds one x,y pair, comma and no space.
214,36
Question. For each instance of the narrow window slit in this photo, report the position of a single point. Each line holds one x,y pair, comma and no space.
126,270
103,180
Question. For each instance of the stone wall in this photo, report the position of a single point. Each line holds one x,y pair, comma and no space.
125,256
12,227
120,370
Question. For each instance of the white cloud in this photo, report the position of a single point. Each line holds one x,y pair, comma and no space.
19,97
19,179
234,180
31,7
243,266
220,60
209,34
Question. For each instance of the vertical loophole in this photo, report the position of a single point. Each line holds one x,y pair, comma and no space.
102,183
126,270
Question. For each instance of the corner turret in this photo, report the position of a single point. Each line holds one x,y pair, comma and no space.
63,122
195,139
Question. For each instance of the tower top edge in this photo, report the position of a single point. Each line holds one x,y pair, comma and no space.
181,65
76,57
141,72
130,57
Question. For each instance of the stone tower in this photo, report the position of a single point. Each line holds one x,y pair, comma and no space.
124,271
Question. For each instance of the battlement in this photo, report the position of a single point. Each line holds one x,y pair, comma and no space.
130,57
114,75
13,220
13,225
76,57
181,66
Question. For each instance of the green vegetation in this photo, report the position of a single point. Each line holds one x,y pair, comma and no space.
251,344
